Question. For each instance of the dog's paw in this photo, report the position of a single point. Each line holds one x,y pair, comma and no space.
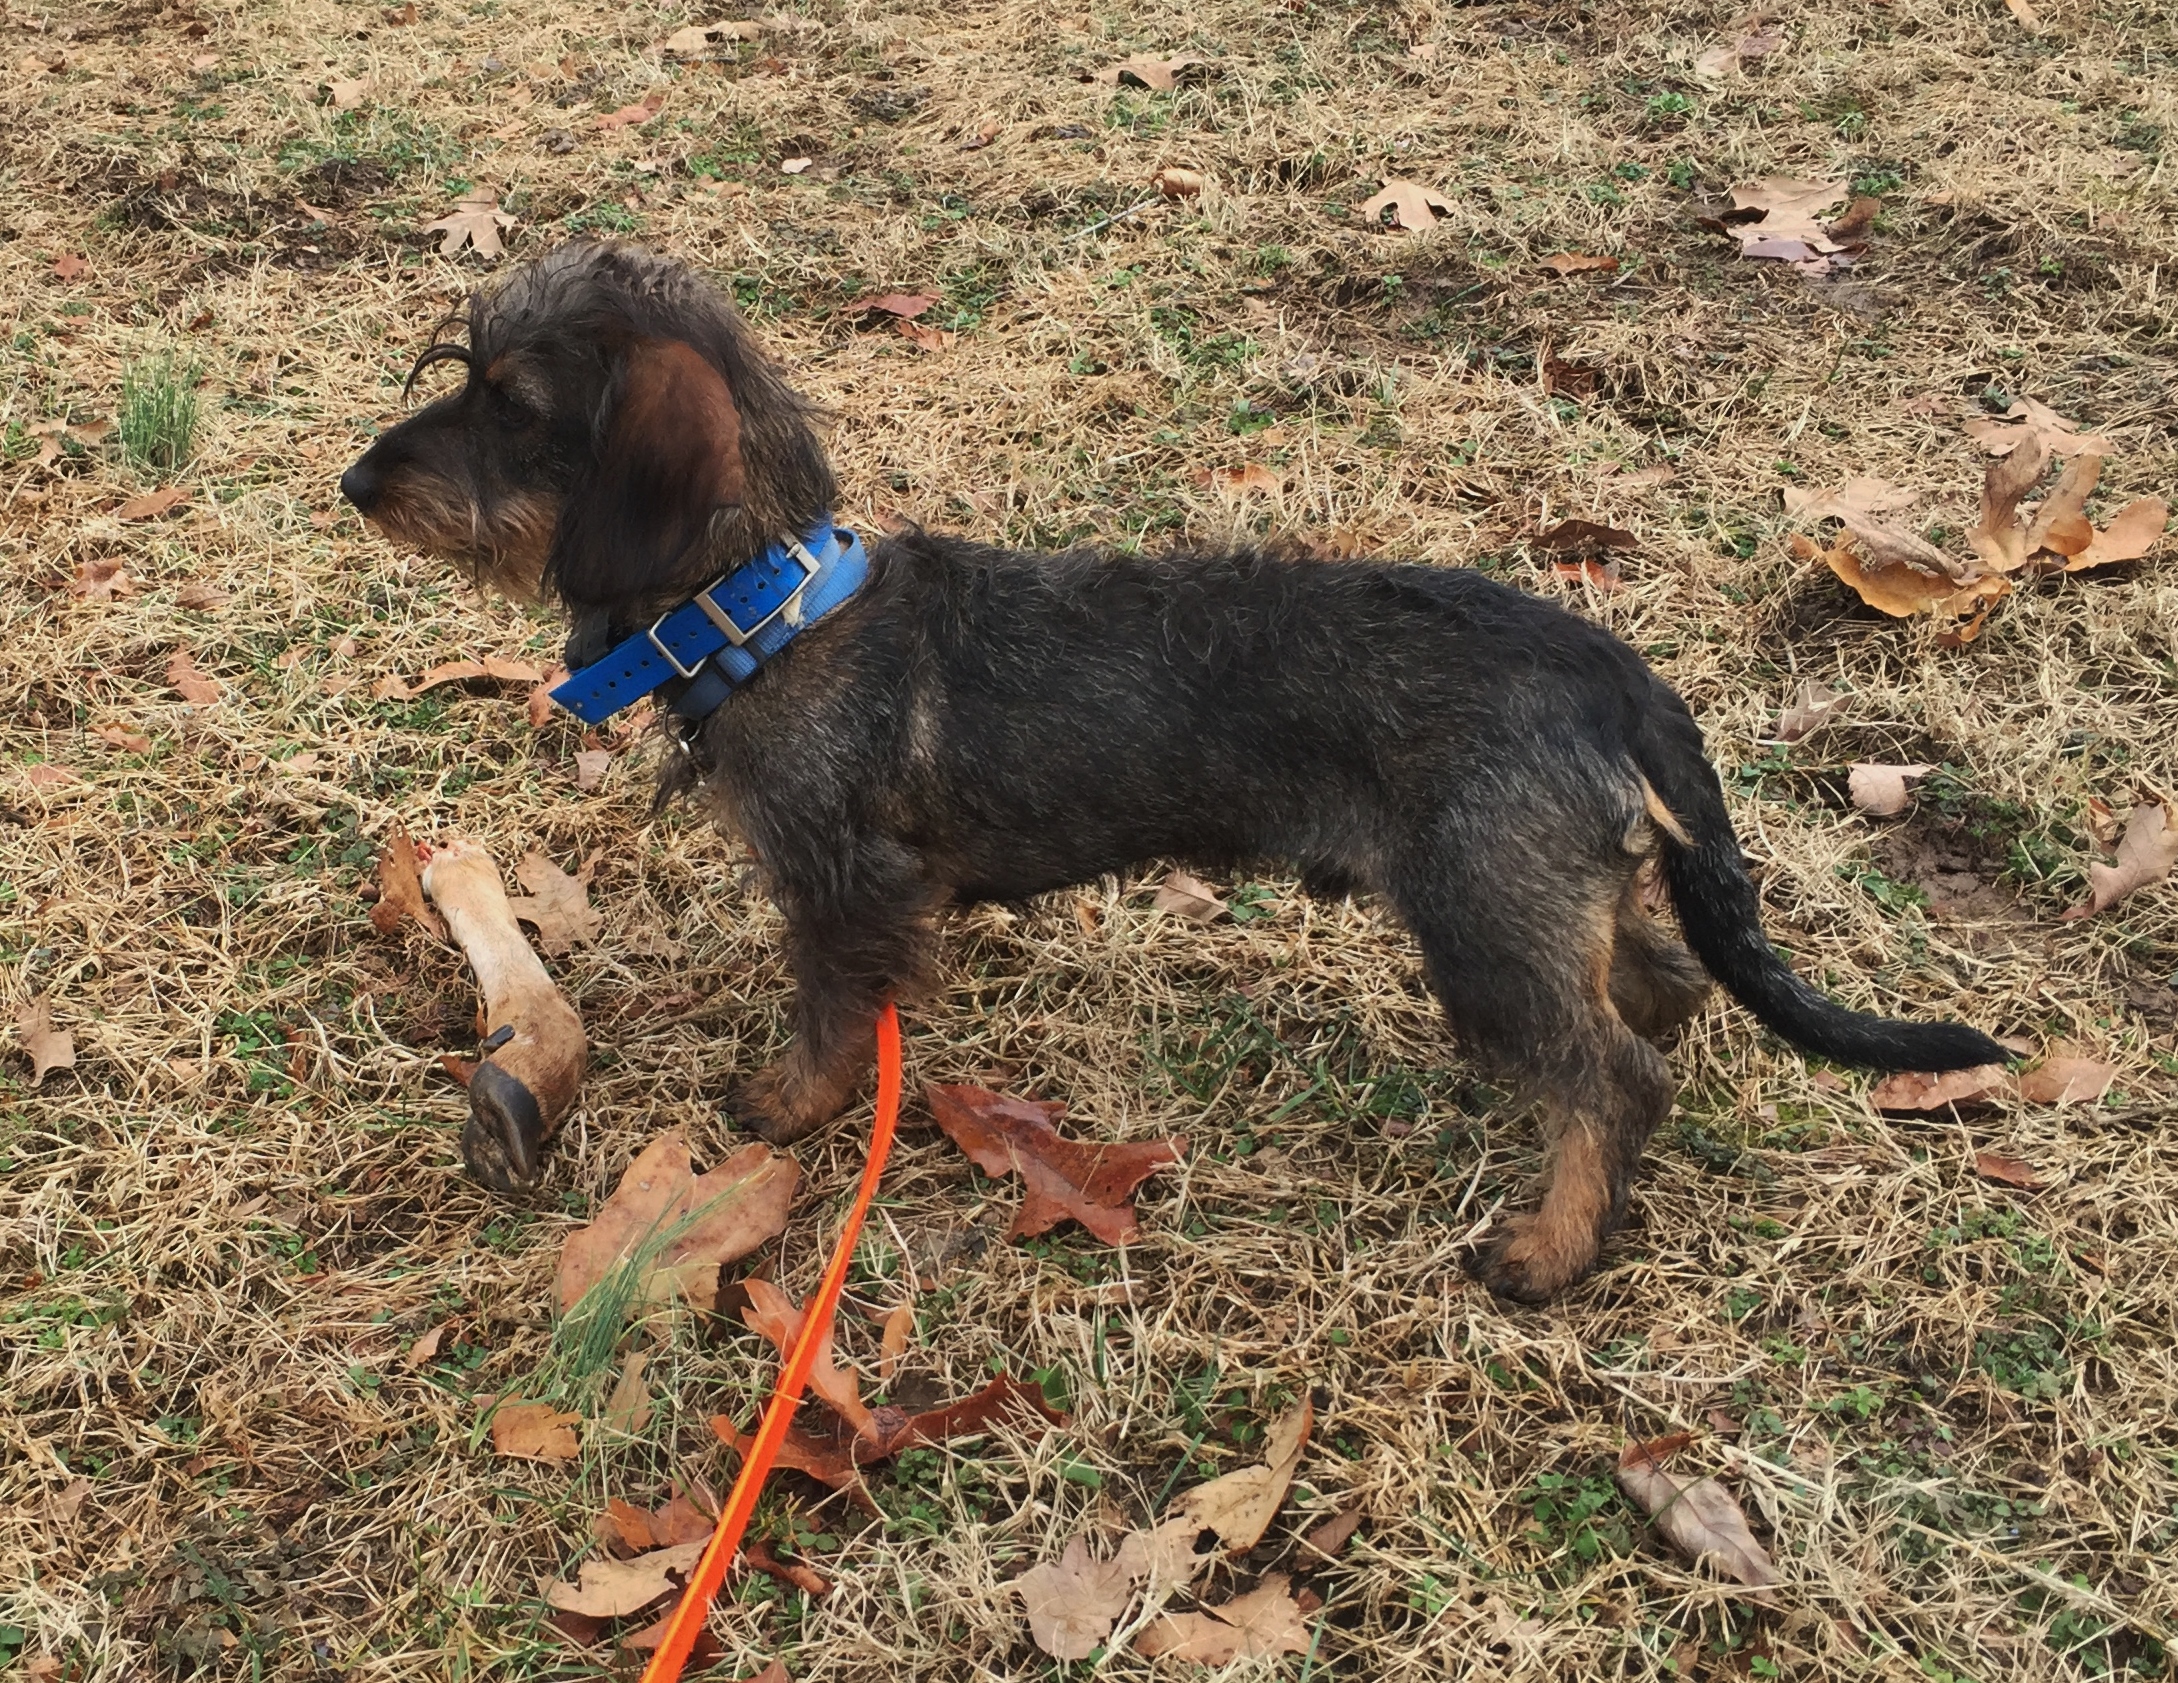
763,1104
1535,1261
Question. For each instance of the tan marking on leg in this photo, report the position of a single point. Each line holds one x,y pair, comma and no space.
794,1095
1666,820
1560,1242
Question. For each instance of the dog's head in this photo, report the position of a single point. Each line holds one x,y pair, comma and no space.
618,441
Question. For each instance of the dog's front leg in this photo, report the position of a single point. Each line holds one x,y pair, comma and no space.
852,945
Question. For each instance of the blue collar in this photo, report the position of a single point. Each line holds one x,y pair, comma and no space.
715,643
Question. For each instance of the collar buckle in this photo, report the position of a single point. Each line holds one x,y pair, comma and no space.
731,629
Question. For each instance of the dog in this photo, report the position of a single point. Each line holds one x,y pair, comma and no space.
971,723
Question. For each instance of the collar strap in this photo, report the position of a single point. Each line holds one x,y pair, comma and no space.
714,643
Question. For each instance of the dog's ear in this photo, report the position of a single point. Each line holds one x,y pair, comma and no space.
670,458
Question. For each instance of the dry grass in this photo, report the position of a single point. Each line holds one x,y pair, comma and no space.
1949,1406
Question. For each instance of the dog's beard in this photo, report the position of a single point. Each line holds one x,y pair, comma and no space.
504,547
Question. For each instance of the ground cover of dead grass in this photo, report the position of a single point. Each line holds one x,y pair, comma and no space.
1946,1404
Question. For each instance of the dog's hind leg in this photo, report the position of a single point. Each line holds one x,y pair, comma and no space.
1656,984
1523,965
852,944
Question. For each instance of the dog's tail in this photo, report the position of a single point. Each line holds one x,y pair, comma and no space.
1721,916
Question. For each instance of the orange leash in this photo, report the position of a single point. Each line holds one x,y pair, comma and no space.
695,1603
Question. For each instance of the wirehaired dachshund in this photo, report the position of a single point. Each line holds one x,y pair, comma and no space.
975,723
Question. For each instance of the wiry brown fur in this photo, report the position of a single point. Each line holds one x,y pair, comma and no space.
983,724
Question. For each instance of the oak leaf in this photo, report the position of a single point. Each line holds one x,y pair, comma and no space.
2067,1081
348,92
50,1048
201,598
1239,1506
1751,38
591,764
152,504
777,1317
425,1348
1921,1090
1812,707
1413,206
2008,1171
1161,75
678,1228
475,220
534,1432
1239,481
926,338
1189,897
836,1457
558,904
400,888
1583,537
2145,855
187,682
1063,1179
1074,1601
1880,790
1576,263
641,112
1327,1539
612,1589
790,1573
121,737
1265,1621
2029,420
101,581
1698,1517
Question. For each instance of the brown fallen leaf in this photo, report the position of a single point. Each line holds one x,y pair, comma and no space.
535,1432
201,598
1267,1620
790,1573
1919,1090
1751,38
612,1589
1997,536
704,1651
475,220
1327,1539
348,92
50,1048
1064,1179
2029,420
629,115
1177,183
1239,1506
425,1348
591,764
629,1408
1575,263
498,668
400,889
1864,497
906,305
2145,855
925,338
2027,16
1604,575
152,504
187,682
1583,537
1412,206
698,39
1161,75
121,737
2133,531
1569,379
683,1520
1812,707
2067,1081
625,1528
678,1228
1239,481
1788,228
1190,897
2008,1171
1880,790
837,1457
2060,525
101,581
1074,1601
1698,1517
46,775
893,1343
779,1318
558,904
1897,586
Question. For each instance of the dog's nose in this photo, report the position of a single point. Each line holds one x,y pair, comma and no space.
361,485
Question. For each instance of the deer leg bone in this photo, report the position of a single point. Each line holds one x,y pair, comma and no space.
535,1045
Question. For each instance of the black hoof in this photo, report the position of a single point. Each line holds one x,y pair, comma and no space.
503,1142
